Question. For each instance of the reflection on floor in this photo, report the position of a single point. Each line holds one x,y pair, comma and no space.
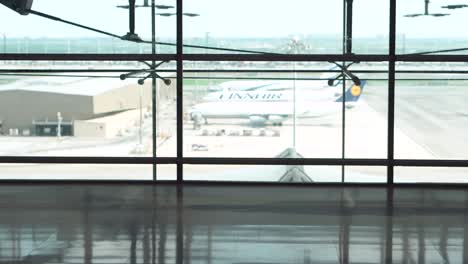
236,224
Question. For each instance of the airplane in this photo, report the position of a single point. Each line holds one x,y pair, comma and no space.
240,85
275,107
271,85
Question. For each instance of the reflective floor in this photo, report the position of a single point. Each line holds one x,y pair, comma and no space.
237,224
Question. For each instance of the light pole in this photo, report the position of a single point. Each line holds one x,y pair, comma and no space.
59,125
140,132
294,100
154,83
4,43
131,35
294,47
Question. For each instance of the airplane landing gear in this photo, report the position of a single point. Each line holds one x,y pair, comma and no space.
198,119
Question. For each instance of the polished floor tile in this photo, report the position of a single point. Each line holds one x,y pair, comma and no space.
112,223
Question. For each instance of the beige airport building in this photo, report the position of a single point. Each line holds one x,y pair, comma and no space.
84,107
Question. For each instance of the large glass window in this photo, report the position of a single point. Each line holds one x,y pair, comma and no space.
430,175
430,111
265,173
366,116
262,110
370,20
37,171
265,26
70,109
280,85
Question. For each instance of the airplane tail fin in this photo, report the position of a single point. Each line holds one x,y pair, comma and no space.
353,93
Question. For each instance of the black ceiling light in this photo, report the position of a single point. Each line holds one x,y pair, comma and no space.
191,14
131,35
174,14
426,12
454,6
165,14
439,14
163,6
146,4
21,6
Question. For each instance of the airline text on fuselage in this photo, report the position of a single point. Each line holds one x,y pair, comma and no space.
271,96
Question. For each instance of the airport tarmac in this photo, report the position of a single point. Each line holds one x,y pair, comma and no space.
436,116
365,137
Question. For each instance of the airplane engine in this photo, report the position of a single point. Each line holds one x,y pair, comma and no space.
257,120
276,119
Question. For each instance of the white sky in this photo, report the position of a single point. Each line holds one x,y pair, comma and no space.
239,18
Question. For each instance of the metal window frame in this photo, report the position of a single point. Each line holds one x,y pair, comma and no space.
180,57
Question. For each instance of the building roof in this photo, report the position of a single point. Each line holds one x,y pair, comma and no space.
68,85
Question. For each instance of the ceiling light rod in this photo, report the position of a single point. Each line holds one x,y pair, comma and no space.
436,51
72,23
37,13
142,41
20,6
213,48
349,27
131,35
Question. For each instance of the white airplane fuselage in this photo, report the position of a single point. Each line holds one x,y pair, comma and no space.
267,106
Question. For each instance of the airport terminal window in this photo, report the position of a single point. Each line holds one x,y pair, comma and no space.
299,86
430,111
430,175
227,111
364,174
262,173
370,27
40,171
85,113
366,116
265,26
